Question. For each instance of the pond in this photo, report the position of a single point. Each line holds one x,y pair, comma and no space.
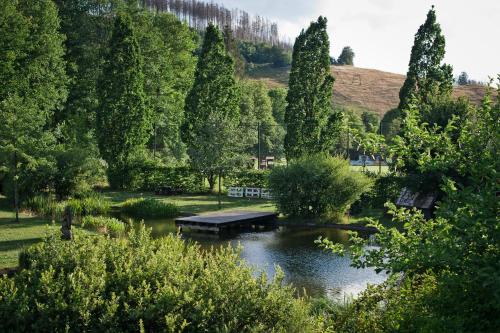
306,266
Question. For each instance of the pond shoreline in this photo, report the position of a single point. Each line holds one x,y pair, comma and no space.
352,227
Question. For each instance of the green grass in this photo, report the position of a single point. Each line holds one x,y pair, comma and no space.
16,236
196,204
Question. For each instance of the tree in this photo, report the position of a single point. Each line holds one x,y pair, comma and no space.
346,57
123,118
426,77
32,72
371,121
167,45
463,79
258,126
211,112
311,126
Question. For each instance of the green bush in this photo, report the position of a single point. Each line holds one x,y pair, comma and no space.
248,178
149,208
98,284
316,186
106,225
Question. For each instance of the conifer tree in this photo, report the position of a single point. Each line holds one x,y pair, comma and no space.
123,119
211,113
426,77
308,117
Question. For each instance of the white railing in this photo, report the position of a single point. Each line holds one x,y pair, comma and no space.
249,192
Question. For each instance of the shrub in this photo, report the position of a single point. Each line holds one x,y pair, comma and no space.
248,178
106,225
98,284
147,207
317,185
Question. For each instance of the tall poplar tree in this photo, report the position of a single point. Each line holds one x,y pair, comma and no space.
311,125
123,118
426,77
211,113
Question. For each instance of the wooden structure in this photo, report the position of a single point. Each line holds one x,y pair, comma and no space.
219,222
424,202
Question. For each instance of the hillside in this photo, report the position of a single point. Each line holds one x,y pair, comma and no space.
360,88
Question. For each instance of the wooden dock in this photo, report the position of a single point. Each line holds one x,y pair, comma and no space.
219,222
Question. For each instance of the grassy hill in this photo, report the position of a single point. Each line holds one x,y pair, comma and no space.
359,88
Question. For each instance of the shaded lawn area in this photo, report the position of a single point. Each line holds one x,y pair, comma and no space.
16,236
197,204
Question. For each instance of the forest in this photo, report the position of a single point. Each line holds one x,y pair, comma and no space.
118,114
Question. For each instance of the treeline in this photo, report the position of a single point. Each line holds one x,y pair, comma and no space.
198,14
95,92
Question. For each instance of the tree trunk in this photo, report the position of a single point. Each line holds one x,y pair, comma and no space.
219,194
211,181
16,188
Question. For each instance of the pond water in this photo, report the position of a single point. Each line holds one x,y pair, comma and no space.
306,266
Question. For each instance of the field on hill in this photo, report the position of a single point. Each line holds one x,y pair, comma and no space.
360,88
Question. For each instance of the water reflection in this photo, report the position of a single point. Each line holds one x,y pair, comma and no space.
306,266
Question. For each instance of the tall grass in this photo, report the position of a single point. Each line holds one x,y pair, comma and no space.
149,208
47,206
106,225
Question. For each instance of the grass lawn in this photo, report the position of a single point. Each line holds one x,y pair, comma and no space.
197,204
15,236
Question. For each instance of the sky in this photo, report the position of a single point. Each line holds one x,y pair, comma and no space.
381,32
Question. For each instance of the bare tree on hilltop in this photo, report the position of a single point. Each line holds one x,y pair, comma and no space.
198,14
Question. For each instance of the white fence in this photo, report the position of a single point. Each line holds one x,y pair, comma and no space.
249,192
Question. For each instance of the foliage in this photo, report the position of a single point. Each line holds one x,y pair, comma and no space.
278,104
106,225
257,123
346,57
371,121
311,126
386,188
264,53
167,46
316,186
123,118
211,115
248,178
33,88
78,170
463,79
101,284
426,76
45,206
149,208
391,124
151,175
444,269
